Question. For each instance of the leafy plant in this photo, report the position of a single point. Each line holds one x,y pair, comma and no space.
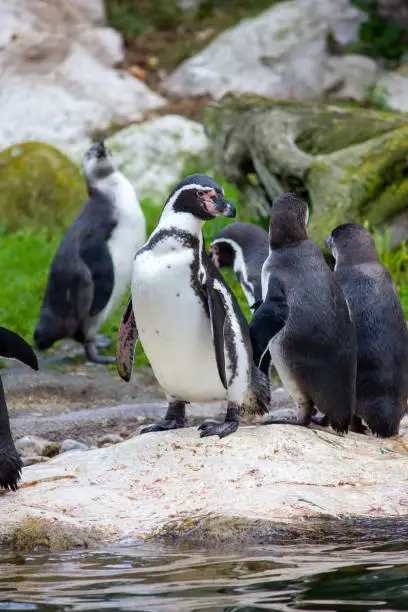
378,37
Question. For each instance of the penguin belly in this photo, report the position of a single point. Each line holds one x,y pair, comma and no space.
283,368
174,327
127,237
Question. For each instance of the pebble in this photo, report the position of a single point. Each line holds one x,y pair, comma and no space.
34,446
69,445
32,460
108,439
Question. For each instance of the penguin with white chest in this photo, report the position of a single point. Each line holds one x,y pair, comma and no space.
92,268
11,346
243,247
187,319
382,334
304,322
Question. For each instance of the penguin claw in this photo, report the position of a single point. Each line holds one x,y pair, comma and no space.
213,428
165,425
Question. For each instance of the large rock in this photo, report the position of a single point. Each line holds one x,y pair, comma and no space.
57,83
349,163
39,187
257,481
153,154
282,52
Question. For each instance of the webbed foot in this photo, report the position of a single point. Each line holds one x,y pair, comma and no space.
102,341
165,425
92,354
215,428
175,418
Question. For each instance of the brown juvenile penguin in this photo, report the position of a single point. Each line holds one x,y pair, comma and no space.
304,322
382,335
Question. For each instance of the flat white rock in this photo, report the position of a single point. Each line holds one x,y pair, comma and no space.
280,474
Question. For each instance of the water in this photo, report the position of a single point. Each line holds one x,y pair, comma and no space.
150,578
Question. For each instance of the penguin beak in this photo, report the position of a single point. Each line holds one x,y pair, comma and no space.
101,150
223,206
329,242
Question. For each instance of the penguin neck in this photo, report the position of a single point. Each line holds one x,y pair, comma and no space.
180,221
108,185
354,258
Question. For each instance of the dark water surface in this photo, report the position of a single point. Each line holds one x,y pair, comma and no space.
149,578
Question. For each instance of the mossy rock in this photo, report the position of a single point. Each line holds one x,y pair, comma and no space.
39,187
349,163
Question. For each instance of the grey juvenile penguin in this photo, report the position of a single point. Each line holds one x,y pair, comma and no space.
189,322
304,322
382,335
11,346
243,247
92,268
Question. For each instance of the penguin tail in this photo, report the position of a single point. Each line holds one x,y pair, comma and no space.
258,399
10,468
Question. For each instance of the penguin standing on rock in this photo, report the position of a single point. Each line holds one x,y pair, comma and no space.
382,335
243,247
189,322
11,346
304,322
93,265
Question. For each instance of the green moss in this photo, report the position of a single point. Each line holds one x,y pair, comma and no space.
39,187
37,534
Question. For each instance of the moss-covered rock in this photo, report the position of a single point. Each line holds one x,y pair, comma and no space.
350,163
39,187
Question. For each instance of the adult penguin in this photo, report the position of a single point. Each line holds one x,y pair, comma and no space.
243,247
189,322
304,322
92,268
382,334
11,346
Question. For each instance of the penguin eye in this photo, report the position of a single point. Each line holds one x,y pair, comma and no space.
200,193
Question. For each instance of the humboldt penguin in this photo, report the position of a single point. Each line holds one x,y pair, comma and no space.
304,322
187,319
11,346
243,247
92,268
382,335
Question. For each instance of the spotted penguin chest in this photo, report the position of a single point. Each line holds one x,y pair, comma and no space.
174,327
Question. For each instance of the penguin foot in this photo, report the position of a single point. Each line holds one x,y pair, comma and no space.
175,418
321,420
215,428
165,425
93,355
102,341
10,470
357,425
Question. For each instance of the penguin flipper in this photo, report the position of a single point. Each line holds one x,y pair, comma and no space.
126,343
267,321
217,319
13,346
95,254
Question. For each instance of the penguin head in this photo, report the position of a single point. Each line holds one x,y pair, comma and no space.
222,253
288,222
200,196
97,163
351,243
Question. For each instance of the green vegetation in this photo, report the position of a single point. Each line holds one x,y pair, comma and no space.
378,38
396,262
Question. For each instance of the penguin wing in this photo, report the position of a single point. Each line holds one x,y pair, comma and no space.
217,317
13,346
95,254
267,321
126,343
